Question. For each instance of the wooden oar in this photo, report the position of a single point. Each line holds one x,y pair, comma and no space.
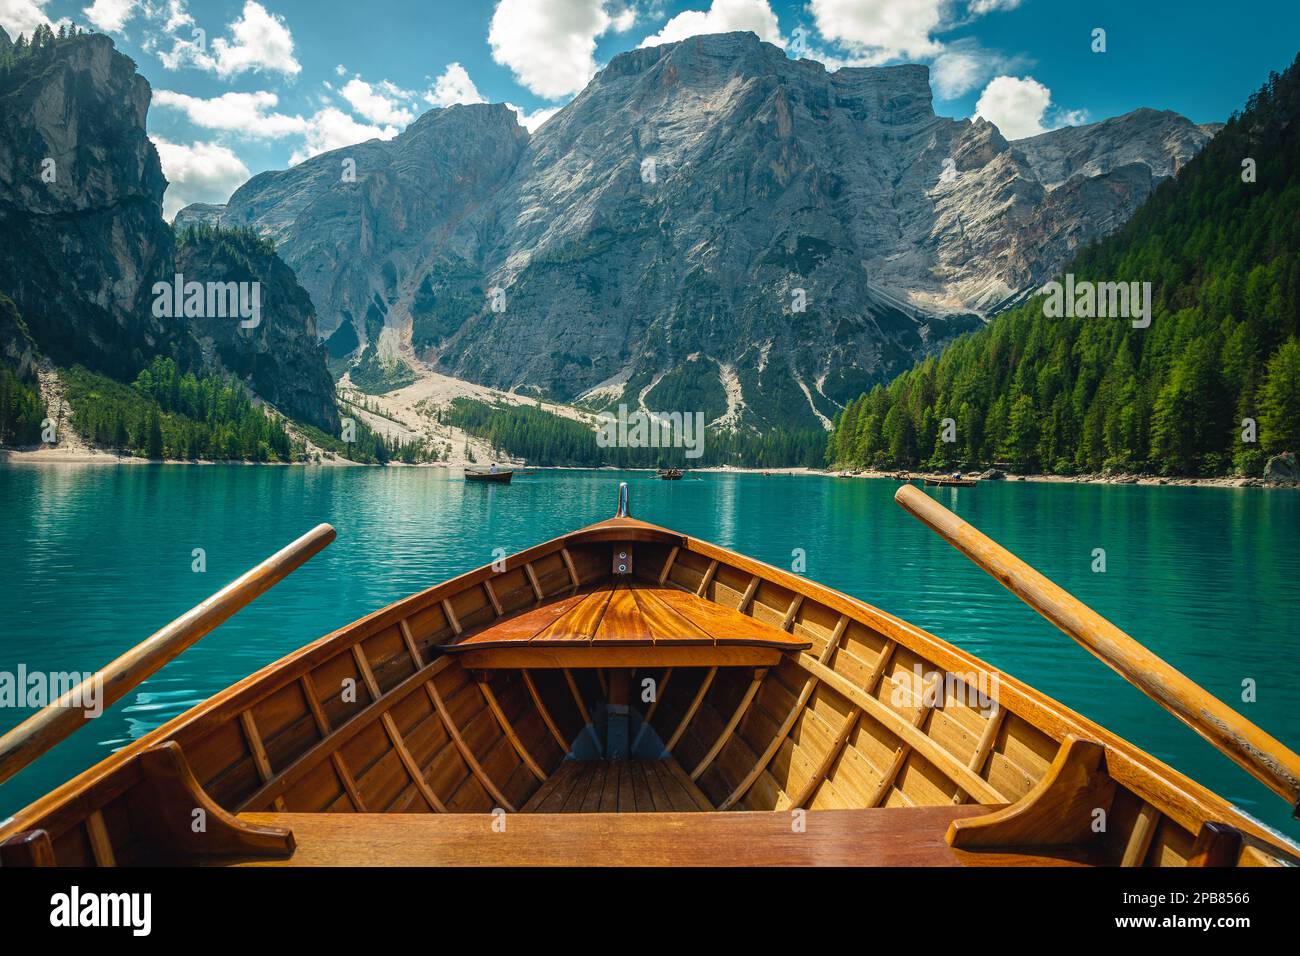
41,731
1258,752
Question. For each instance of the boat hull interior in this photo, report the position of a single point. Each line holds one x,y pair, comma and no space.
613,681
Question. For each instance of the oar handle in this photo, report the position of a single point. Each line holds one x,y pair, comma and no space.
1258,752
41,731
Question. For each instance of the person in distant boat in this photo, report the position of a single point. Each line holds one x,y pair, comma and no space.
494,468
957,474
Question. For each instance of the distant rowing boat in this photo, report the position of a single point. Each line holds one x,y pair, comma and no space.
669,474
952,482
500,477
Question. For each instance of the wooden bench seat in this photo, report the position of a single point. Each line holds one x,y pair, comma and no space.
893,836
621,622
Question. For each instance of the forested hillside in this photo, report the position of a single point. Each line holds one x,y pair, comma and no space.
1068,395
541,438
166,414
21,408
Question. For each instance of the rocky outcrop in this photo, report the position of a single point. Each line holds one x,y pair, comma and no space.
280,357
1161,140
362,227
1282,469
17,350
84,242
80,198
708,221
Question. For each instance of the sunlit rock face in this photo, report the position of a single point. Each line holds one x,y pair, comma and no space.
84,241
708,221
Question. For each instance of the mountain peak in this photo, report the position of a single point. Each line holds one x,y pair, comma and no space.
673,209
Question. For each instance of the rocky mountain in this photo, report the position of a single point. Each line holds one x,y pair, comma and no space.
280,357
708,225
83,241
80,198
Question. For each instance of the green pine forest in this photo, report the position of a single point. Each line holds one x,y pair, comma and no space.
1073,395
542,438
166,414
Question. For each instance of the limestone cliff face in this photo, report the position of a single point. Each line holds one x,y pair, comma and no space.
707,219
84,241
80,199
280,358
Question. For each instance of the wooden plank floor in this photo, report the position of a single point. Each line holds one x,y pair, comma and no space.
894,836
620,786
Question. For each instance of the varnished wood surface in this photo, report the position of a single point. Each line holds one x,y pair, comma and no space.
892,837
622,622
618,786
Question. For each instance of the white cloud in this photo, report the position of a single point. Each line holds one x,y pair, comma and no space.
259,40
624,20
177,16
880,30
549,46
452,87
873,32
964,65
24,16
978,8
200,172
954,74
1017,106
531,121
723,16
250,114
111,15
374,105
331,128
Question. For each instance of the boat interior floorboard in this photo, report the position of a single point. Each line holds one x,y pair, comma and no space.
894,836
619,786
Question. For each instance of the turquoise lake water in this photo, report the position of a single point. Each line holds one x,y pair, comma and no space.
96,558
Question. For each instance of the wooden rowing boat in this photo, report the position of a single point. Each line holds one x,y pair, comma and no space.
669,474
499,477
951,482
629,695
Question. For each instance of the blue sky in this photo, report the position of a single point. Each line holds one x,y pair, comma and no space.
270,82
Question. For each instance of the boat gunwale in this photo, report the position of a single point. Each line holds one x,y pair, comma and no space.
1183,800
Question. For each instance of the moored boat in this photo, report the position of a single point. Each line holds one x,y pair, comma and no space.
628,670
952,482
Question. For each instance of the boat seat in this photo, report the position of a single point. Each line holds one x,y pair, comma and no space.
622,622
884,836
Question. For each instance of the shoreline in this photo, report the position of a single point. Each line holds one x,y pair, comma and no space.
98,457
1222,481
